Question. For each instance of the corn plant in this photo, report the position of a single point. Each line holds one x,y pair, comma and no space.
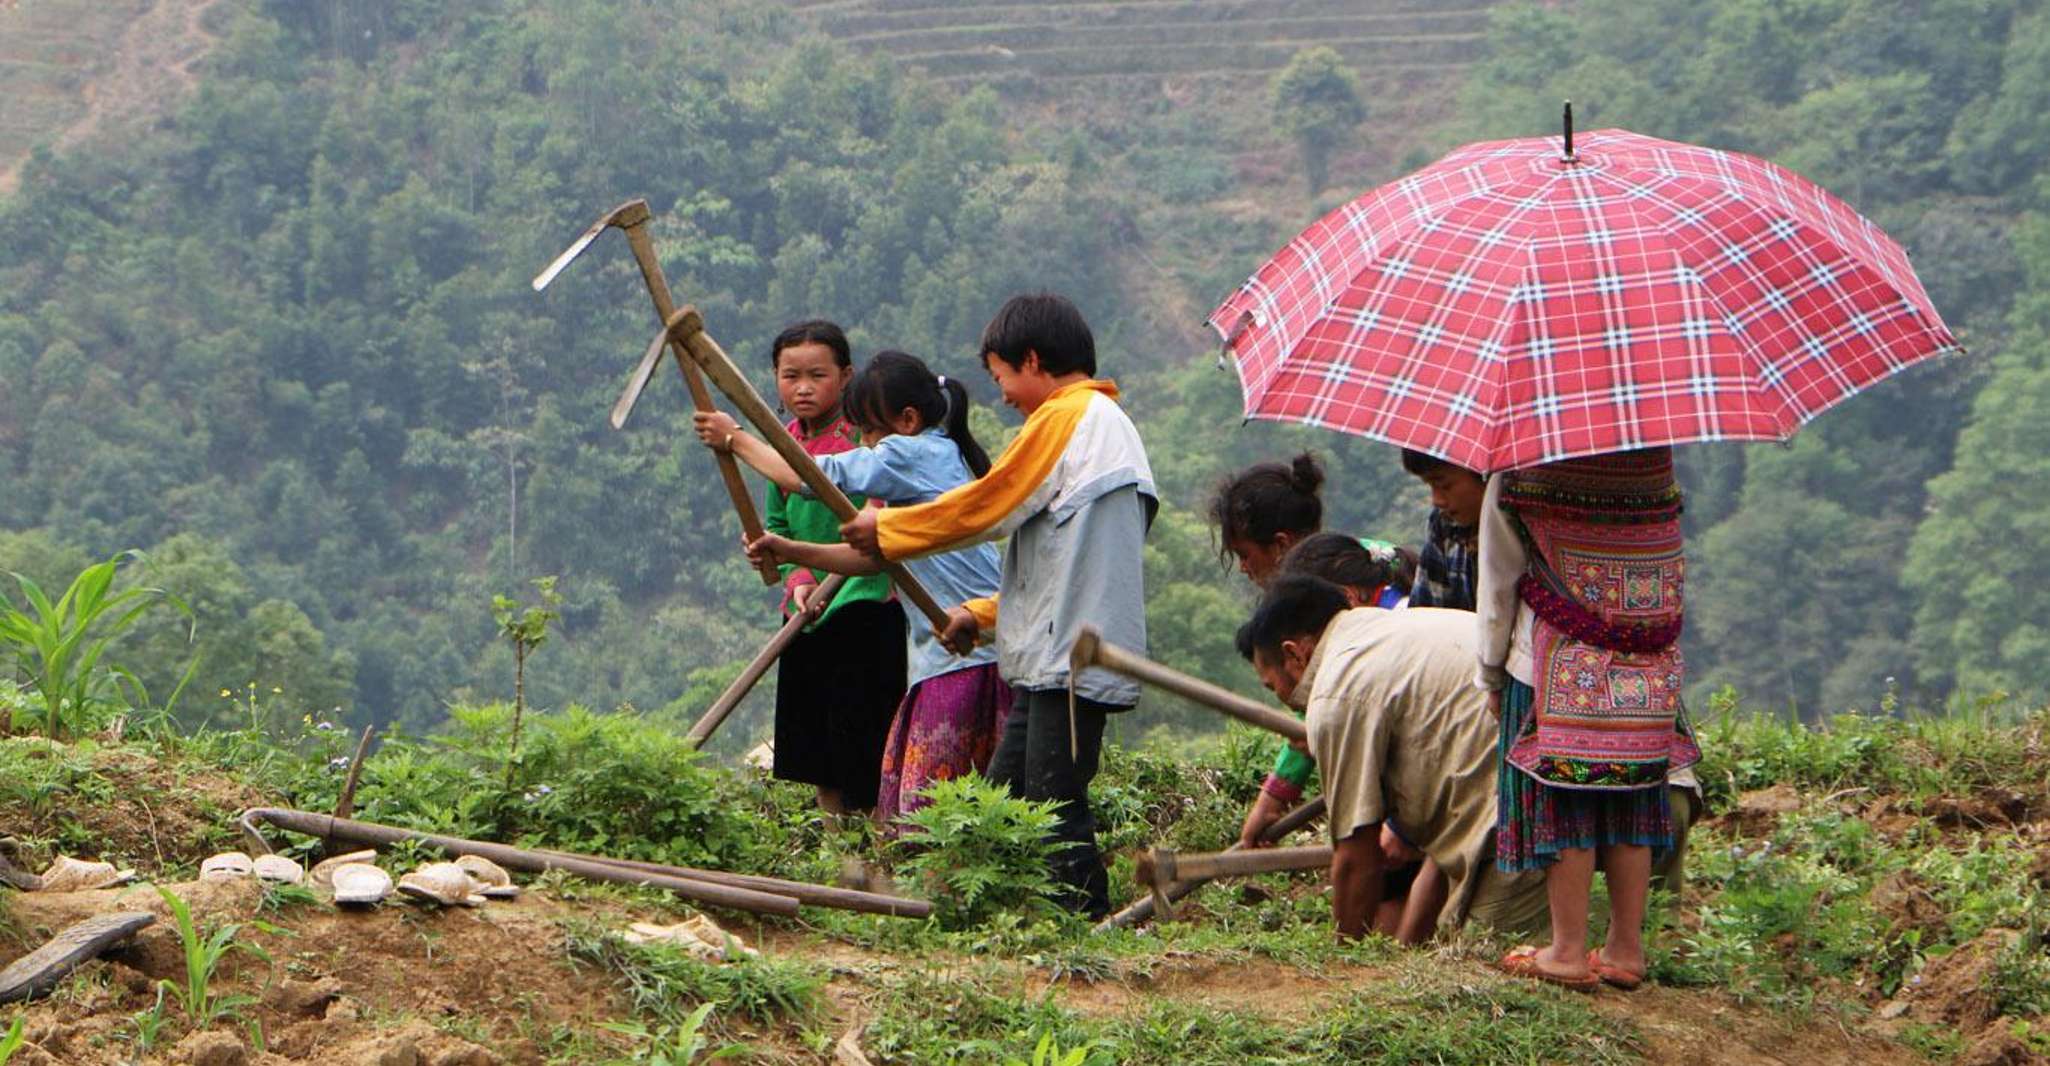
201,1002
12,1042
59,645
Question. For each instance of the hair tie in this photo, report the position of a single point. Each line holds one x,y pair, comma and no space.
946,402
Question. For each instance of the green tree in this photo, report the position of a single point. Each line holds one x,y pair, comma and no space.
1316,101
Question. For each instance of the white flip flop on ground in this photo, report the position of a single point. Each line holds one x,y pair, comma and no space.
490,879
359,883
323,873
441,882
227,866
278,870
67,874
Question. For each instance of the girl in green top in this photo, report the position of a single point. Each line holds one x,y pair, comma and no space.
839,683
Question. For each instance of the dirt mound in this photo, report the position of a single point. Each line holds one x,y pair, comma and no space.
481,986
1757,813
137,811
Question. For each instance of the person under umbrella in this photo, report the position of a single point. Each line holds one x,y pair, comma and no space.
1568,317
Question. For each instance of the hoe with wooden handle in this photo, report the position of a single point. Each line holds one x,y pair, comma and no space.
1166,894
632,218
685,331
1160,869
1092,650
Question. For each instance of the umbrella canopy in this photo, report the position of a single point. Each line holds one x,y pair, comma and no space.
1511,305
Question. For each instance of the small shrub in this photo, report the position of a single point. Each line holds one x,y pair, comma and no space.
977,850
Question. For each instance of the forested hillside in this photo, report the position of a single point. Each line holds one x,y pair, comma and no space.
284,340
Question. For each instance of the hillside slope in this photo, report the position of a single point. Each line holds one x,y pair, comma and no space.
70,69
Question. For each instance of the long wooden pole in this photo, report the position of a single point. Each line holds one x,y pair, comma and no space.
1092,650
1143,908
332,828
687,328
846,899
1162,866
758,666
701,398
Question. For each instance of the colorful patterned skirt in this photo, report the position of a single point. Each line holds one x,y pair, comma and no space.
946,727
1535,821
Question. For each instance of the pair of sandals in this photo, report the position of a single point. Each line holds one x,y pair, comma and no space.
1523,962
235,866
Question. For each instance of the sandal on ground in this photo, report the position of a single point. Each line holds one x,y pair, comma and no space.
1613,976
1523,962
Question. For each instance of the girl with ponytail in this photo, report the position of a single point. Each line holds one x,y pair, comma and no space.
916,445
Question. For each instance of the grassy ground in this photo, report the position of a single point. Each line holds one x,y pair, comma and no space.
1863,893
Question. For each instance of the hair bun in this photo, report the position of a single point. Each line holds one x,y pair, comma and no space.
1305,474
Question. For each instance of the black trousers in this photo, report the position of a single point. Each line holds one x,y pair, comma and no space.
1035,761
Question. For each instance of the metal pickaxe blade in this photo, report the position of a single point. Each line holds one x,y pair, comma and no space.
639,382
632,217
630,213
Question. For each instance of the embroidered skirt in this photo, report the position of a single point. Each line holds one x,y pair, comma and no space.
947,727
1535,821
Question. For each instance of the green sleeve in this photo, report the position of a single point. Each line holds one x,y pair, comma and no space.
1293,766
776,519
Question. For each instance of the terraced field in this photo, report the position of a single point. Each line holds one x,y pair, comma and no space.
70,68
1110,39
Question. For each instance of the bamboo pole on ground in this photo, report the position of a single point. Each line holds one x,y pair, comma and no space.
329,827
846,899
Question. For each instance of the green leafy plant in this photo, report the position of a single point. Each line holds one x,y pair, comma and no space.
526,628
149,1024
977,851
203,1003
11,1043
1048,1052
60,645
684,1044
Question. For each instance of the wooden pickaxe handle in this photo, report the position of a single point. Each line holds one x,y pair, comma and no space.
687,328
759,665
700,397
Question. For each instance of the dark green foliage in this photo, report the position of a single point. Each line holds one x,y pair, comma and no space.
977,851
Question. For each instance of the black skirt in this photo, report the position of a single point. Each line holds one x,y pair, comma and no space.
837,689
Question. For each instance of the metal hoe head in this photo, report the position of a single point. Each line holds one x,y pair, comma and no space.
680,326
628,214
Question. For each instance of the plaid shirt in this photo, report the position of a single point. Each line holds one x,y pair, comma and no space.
1446,566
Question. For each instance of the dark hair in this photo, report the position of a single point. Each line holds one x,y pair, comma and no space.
1421,464
812,331
1268,499
1345,562
1424,464
1046,324
895,380
1296,605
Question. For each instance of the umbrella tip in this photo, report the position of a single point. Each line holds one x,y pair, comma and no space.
1569,157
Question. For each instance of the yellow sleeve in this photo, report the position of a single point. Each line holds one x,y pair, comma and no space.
985,611
989,504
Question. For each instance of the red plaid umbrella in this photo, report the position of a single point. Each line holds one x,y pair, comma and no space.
1510,305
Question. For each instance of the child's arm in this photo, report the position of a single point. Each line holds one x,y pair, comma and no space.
1019,484
721,433
1503,558
832,558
